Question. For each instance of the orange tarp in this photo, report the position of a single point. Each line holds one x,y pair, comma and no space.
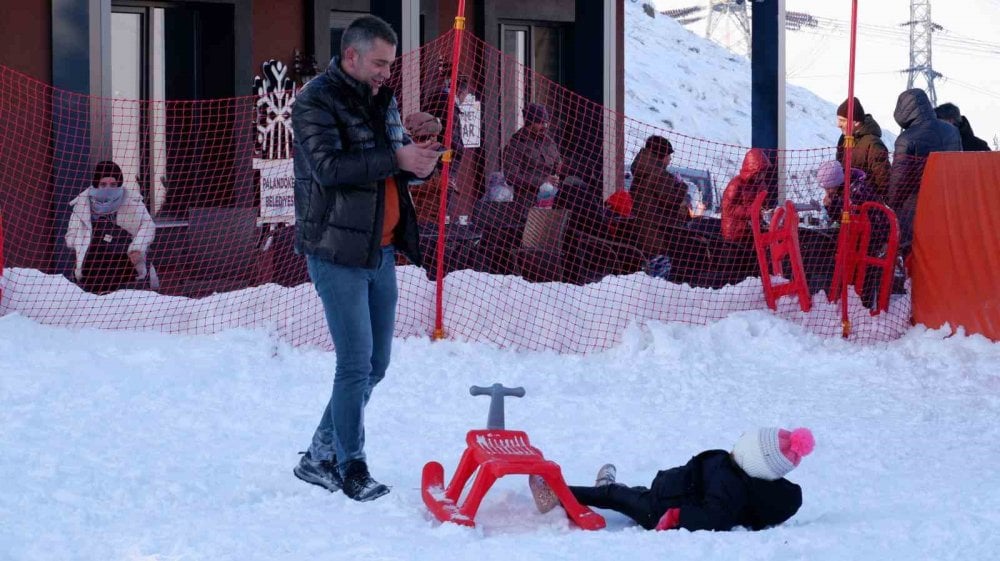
955,263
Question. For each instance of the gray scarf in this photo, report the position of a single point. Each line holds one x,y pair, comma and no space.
105,200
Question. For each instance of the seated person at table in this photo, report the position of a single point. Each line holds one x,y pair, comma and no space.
737,200
110,232
830,177
587,216
659,198
583,201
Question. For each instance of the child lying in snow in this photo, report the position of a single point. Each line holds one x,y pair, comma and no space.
715,490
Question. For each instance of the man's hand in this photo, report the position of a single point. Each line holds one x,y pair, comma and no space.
419,158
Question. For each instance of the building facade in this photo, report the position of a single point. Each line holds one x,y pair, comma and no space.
154,50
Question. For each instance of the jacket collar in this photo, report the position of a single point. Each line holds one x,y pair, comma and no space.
341,78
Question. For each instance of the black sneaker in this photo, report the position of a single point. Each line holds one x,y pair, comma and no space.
323,473
359,485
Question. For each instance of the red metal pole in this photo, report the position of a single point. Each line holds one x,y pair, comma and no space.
456,50
845,216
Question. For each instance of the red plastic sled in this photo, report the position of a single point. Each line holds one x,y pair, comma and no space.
496,453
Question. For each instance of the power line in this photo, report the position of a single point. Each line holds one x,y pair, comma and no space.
841,74
975,88
948,39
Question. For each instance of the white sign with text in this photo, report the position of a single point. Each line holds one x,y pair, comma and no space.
277,190
471,120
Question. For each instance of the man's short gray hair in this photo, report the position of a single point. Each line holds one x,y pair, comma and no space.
362,32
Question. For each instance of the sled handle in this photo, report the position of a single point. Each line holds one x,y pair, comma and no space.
496,392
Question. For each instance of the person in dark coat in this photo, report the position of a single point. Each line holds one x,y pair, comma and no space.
587,216
586,207
659,198
922,134
353,161
950,113
716,490
532,157
870,154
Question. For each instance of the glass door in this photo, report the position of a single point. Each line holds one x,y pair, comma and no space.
514,42
138,120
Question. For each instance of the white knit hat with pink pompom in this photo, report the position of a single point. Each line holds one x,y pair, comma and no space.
770,453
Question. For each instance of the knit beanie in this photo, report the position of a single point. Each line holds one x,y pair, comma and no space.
620,203
859,111
107,168
830,174
770,453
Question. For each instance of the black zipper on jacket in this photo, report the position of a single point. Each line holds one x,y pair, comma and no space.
378,121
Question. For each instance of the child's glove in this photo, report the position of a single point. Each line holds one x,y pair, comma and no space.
422,125
671,519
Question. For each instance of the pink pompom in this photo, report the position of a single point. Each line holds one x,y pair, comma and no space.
801,442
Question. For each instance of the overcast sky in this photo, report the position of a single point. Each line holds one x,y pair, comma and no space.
966,52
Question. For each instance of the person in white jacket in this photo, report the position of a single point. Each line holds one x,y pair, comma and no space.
110,231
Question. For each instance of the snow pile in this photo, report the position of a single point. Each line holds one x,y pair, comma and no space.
478,307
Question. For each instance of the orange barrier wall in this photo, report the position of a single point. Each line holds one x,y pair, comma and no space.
955,264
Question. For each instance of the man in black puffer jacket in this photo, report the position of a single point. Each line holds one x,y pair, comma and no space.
922,134
715,490
352,212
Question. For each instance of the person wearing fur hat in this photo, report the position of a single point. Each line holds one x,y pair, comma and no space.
870,154
531,158
716,490
110,232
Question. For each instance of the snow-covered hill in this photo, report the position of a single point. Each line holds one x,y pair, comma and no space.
685,83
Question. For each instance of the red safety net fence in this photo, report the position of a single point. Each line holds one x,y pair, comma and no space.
562,221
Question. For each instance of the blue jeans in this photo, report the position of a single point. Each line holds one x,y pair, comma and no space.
360,307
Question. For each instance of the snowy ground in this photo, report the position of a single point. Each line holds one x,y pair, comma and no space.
147,446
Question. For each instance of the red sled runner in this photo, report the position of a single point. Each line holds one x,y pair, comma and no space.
492,454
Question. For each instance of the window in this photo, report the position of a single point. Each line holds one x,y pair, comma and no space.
514,44
137,77
339,20
161,51
534,46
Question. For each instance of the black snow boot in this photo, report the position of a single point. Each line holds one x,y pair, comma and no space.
323,472
359,485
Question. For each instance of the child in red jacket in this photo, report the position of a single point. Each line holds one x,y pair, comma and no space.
715,490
